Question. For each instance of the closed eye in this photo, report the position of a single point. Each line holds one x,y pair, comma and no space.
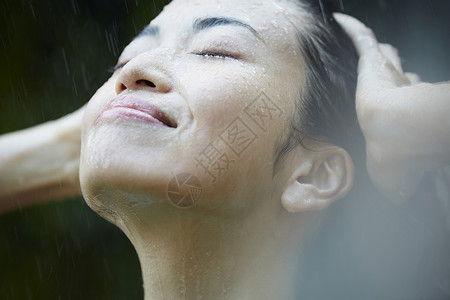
116,67
206,54
213,54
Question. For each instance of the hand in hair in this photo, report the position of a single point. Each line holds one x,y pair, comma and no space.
40,163
405,121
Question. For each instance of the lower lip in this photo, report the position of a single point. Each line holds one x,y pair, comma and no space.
129,113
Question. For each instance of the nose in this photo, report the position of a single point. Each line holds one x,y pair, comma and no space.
144,73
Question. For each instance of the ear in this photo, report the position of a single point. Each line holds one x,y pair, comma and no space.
320,177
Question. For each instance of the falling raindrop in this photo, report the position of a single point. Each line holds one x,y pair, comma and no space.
63,51
75,7
341,3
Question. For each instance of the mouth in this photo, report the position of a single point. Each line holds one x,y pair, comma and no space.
135,108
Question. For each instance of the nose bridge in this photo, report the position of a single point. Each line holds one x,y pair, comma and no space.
148,71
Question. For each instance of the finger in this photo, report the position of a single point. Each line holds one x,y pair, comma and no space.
413,77
391,54
374,68
362,37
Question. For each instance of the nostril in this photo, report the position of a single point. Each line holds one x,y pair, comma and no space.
146,82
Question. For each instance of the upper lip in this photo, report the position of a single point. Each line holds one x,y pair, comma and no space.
139,104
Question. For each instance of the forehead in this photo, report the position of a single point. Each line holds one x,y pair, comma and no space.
277,21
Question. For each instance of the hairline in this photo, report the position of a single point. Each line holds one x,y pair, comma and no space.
295,135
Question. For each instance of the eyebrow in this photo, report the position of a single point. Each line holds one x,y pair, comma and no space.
206,23
148,31
202,24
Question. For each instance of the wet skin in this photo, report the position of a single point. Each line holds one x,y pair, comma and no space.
202,79
178,87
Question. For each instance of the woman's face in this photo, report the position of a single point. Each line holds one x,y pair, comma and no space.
204,97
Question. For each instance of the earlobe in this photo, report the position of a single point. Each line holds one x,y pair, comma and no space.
320,179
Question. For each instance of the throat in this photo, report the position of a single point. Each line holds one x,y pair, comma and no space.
215,262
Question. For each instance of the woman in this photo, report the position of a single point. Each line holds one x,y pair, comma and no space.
229,98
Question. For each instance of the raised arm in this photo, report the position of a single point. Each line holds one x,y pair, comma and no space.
406,123
41,163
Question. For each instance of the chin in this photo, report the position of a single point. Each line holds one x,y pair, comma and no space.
115,175
121,171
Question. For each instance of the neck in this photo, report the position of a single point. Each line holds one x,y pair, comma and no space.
188,256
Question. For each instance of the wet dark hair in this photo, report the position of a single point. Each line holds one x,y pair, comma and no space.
340,263
326,108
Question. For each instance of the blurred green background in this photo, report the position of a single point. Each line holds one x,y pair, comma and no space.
53,56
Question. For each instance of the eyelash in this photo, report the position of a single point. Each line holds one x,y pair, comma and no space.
213,54
206,54
116,67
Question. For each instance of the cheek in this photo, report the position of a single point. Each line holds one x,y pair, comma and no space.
219,92
240,112
98,101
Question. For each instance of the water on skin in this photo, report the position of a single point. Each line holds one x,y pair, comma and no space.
137,201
